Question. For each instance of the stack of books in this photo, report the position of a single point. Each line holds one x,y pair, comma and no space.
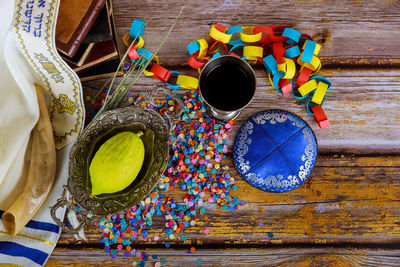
86,38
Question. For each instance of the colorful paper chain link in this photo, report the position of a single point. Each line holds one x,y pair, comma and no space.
277,48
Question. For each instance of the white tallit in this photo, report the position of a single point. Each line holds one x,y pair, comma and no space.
18,109
27,59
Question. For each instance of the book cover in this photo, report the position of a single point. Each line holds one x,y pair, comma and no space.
74,21
103,69
101,51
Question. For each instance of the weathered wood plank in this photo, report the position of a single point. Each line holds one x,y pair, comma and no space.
363,107
352,32
237,257
349,200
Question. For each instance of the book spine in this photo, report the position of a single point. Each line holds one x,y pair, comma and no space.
94,13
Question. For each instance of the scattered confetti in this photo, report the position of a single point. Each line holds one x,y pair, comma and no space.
198,146
126,66
197,142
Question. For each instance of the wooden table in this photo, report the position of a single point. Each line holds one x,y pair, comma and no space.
347,213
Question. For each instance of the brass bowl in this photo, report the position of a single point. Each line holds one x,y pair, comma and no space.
155,140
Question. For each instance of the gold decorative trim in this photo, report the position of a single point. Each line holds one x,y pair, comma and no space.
31,237
54,66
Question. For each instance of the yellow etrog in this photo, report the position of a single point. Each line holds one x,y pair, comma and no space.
117,163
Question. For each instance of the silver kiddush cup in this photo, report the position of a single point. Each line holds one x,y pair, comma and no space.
227,85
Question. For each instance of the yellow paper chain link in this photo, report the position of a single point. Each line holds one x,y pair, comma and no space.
219,36
320,93
252,52
290,68
148,73
248,35
316,50
315,64
308,87
187,82
203,48
127,41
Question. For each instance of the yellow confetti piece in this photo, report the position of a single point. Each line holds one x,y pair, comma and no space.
252,52
219,36
307,87
187,82
320,93
203,48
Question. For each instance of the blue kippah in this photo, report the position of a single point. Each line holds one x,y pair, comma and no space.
275,150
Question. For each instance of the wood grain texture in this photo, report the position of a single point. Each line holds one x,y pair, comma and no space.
353,194
346,200
320,257
352,32
363,107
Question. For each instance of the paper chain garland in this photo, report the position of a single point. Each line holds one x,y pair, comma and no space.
277,48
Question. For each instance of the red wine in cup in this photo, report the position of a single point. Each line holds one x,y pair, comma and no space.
227,87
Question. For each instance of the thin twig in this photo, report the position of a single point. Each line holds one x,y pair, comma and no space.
122,89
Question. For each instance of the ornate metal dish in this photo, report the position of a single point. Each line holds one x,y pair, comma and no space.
156,137
132,119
